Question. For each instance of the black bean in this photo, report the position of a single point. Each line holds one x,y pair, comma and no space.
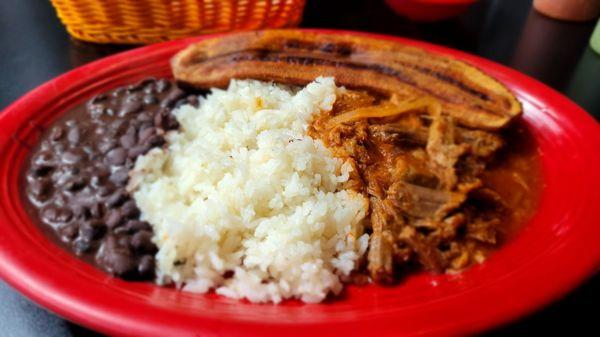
149,99
172,97
155,140
81,212
100,130
71,170
97,106
59,148
106,145
131,128
57,133
142,242
180,103
117,199
75,184
98,177
60,200
43,158
147,81
123,241
94,156
81,246
128,140
86,232
145,126
99,98
133,124
130,210
138,150
103,191
118,92
120,176
145,117
134,87
68,232
128,166
74,135
64,215
114,219
40,187
50,214
146,265
121,230
92,230
150,89
193,100
146,133
116,156
130,107
117,126
45,145
137,225
96,210
110,242
171,123
73,156
159,119
88,149
121,264
135,97
54,214
162,85
96,110
41,170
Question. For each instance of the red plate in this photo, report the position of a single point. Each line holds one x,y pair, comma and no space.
554,253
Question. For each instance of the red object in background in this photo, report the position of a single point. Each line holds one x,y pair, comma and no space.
556,250
429,10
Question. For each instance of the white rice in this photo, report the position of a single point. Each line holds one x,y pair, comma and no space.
241,188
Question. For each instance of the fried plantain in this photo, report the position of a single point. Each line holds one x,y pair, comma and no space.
380,66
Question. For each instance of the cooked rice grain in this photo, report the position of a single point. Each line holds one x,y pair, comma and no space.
244,202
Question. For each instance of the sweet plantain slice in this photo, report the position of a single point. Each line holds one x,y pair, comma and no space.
381,66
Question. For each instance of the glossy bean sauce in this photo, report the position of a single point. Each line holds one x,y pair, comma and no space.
75,179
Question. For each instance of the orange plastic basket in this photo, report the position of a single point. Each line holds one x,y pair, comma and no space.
147,21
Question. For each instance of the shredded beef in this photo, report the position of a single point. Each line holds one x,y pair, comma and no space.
422,173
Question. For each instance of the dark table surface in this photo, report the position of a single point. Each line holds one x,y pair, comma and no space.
36,48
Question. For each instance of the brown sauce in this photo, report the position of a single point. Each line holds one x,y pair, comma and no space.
516,175
442,196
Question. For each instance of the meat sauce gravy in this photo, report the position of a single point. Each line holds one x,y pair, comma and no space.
75,178
442,196
516,175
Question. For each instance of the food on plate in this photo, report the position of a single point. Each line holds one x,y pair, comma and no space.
243,200
385,67
285,164
417,128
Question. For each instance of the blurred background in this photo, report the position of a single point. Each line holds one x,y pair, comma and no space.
551,44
